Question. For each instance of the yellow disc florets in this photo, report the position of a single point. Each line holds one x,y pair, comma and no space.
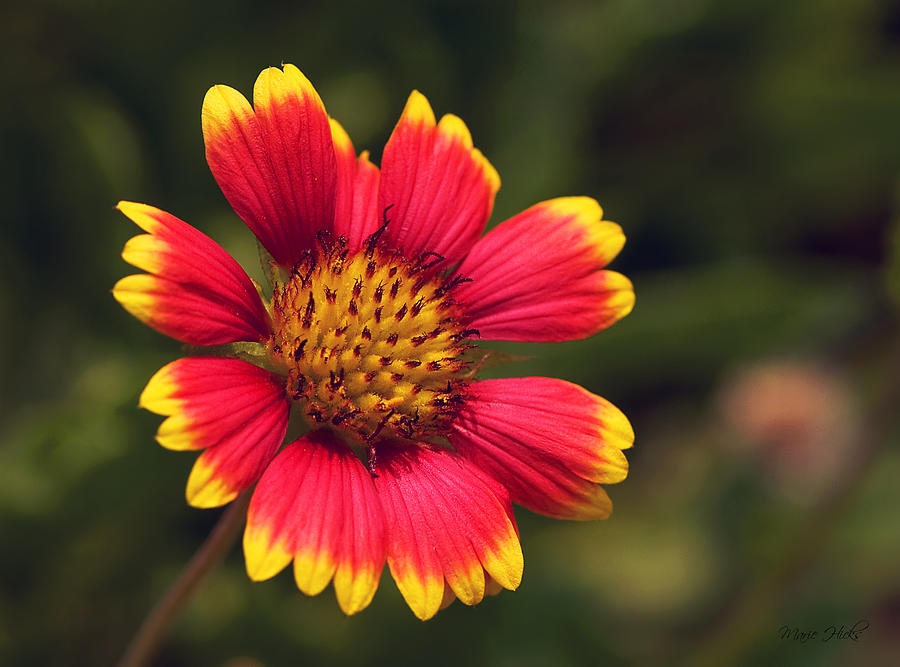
371,342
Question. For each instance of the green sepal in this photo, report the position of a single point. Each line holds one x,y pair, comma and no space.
253,353
482,358
275,275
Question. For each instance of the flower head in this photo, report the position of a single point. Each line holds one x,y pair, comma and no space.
795,418
380,286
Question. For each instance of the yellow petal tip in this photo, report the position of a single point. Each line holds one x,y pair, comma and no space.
263,557
206,489
418,110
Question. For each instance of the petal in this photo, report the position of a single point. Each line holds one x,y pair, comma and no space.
195,291
274,162
238,412
439,188
445,522
448,599
550,442
491,587
356,204
537,277
316,505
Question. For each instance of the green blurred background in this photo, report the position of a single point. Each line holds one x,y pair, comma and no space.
751,151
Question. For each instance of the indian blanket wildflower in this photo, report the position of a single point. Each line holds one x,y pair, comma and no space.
381,282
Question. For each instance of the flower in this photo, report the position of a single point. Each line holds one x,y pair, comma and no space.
380,284
795,418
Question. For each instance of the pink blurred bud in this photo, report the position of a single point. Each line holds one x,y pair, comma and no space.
795,418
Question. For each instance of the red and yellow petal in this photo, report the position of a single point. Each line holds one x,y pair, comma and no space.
446,526
440,189
195,291
236,411
316,505
356,205
550,442
345,156
537,276
275,161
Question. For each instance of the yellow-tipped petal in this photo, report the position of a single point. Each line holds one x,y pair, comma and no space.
205,488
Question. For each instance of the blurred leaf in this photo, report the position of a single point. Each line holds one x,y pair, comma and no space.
892,267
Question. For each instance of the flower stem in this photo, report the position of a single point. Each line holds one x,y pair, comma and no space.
153,630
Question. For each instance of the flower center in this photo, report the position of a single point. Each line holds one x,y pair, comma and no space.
372,342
